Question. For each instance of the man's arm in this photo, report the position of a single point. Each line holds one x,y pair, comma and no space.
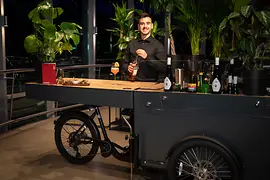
160,63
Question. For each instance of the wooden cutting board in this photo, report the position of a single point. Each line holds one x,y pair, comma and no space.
116,84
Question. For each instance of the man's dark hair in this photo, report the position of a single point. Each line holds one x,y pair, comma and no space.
144,15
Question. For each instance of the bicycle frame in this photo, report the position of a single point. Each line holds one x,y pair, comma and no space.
113,151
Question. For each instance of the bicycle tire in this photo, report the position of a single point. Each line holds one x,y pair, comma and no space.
89,124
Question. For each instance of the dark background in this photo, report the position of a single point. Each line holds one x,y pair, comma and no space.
19,26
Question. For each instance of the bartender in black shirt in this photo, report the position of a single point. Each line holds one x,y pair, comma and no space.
149,52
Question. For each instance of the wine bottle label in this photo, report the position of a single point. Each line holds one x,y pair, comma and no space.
217,61
234,79
192,87
167,83
135,72
169,61
230,79
216,85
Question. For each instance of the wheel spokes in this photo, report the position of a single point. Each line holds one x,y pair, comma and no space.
202,163
78,138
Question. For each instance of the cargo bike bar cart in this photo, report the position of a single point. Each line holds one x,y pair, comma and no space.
191,136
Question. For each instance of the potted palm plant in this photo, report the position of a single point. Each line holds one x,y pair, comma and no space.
49,39
192,14
216,12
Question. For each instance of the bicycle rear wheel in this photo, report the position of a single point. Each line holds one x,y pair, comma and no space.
79,146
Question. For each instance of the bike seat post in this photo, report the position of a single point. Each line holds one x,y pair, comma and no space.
97,112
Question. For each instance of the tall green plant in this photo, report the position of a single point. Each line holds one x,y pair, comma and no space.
216,12
125,30
50,40
156,31
167,7
192,14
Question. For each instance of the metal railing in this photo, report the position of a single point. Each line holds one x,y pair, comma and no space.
23,70
13,72
99,66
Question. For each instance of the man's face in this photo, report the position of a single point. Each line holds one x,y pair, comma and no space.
145,25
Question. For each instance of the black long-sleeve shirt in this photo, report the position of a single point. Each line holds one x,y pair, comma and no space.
155,63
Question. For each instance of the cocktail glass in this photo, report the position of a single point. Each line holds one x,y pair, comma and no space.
114,70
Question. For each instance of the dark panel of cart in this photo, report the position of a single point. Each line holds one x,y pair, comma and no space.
80,95
241,123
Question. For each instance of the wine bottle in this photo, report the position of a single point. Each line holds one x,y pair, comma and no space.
168,81
235,85
133,73
216,82
192,83
200,82
230,77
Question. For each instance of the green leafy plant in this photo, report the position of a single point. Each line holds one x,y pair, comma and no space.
50,40
156,31
232,24
125,30
252,35
193,15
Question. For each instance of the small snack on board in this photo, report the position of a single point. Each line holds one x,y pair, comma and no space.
74,82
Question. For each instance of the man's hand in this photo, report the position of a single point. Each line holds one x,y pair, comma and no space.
130,67
142,53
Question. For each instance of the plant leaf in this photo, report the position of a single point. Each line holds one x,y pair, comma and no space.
45,23
68,28
56,12
50,32
223,24
239,3
246,11
58,36
76,39
76,25
233,15
67,47
264,17
31,44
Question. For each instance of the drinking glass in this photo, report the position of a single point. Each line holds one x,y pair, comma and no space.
114,70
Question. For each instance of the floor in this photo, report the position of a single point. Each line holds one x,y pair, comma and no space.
29,153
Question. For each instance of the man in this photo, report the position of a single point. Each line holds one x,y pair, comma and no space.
148,51
150,54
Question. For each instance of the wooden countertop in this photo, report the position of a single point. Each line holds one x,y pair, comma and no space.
113,84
